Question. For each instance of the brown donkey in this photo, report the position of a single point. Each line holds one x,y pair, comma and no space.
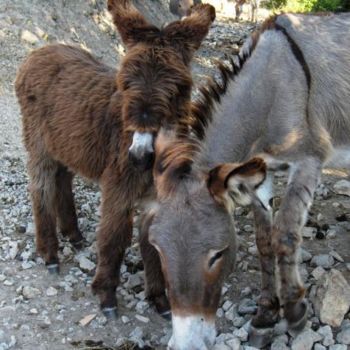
81,116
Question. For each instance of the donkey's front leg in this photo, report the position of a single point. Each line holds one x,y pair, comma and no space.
286,238
113,237
260,332
155,284
269,306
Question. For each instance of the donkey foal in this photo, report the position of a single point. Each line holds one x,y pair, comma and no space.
81,116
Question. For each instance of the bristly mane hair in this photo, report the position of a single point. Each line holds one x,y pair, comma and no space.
211,93
177,154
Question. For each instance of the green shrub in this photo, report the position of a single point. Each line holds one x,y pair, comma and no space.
307,5
327,5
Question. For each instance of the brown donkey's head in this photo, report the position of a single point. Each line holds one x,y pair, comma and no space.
154,80
193,231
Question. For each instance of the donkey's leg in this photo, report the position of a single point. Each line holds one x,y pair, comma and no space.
155,284
286,237
269,306
261,331
67,218
113,237
42,172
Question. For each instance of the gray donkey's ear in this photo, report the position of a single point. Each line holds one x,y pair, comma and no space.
235,183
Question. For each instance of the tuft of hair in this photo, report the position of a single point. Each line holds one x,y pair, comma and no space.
210,94
175,157
131,25
187,34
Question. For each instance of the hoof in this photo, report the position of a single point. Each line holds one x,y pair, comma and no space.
166,315
296,315
161,305
111,313
267,316
265,320
53,269
260,337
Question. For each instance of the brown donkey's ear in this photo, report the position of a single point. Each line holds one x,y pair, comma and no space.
131,25
232,182
188,34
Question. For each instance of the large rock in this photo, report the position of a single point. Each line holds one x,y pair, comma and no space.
342,187
326,333
85,264
305,340
332,299
234,344
323,260
30,292
344,336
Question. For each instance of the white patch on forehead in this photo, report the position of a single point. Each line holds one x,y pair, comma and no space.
192,332
141,142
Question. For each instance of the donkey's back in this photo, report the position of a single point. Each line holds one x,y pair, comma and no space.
64,95
324,42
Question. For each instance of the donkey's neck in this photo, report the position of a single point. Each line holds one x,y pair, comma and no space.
240,117
255,102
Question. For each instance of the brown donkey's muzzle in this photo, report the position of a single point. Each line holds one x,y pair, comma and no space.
141,151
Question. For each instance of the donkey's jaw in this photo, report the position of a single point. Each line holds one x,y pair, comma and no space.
141,151
192,332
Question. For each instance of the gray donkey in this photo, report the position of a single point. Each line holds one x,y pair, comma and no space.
286,99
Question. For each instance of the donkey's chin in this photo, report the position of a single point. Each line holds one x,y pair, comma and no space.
192,332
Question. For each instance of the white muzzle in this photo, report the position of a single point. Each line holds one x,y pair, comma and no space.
192,333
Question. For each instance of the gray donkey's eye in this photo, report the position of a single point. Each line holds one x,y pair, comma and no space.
217,256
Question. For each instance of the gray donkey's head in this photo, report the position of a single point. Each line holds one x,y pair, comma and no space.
193,231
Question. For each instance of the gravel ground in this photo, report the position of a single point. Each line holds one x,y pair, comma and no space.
38,311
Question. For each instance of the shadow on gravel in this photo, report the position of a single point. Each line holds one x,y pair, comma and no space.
98,345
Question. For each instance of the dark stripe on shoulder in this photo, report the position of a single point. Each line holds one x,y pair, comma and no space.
297,53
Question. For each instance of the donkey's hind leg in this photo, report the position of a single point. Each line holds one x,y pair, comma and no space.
286,238
42,172
67,218
155,284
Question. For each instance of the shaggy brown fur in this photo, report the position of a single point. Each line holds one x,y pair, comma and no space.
78,116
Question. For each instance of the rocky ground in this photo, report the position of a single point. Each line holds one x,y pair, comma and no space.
38,311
